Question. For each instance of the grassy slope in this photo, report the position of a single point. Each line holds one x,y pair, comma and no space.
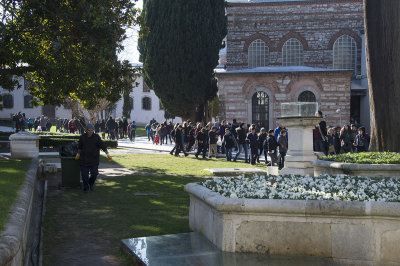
113,213
12,176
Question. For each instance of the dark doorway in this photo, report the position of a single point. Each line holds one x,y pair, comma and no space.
260,109
355,108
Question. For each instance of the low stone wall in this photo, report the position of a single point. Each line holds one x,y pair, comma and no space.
14,239
355,233
367,170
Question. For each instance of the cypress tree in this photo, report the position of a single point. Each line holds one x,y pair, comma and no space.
180,50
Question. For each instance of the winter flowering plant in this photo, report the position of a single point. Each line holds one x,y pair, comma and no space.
324,187
365,158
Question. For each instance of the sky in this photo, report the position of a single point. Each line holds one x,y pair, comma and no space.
130,52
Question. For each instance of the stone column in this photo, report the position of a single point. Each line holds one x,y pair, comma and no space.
300,142
24,145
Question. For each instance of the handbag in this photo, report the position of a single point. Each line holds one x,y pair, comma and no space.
331,149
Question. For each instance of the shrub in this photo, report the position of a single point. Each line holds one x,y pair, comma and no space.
56,142
365,158
72,136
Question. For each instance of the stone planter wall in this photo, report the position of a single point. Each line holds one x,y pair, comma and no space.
367,170
14,241
356,233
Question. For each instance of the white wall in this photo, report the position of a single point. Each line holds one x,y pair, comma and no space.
18,95
140,116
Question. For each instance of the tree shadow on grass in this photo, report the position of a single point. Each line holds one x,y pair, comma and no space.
112,212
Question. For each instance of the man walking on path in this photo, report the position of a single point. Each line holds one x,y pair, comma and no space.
88,155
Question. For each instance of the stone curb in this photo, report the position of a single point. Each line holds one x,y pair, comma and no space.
354,166
301,207
12,240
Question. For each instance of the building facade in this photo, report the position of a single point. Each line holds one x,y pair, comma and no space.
145,105
293,50
19,100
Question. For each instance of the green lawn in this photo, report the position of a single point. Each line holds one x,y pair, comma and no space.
12,176
141,131
112,212
185,166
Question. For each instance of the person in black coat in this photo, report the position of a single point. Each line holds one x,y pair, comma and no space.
89,146
252,139
241,140
283,147
271,146
179,135
262,136
201,143
361,142
125,127
229,142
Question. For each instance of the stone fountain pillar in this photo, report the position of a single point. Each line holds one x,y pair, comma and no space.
300,142
24,145
299,119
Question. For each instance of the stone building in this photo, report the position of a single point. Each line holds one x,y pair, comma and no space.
294,50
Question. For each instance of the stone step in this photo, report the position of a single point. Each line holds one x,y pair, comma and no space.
193,249
235,171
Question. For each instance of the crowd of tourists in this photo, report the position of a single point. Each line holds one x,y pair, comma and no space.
335,140
254,141
108,128
212,139
21,123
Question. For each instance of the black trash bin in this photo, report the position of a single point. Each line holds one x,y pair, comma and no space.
70,172
70,169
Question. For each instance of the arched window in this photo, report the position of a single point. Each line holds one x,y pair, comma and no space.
8,101
307,96
258,54
28,101
260,109
292,53
146,103
345,53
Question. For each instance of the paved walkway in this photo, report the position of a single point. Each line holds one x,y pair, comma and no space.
140,145
6,129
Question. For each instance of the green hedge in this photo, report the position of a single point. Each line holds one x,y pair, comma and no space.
72,136
365,158
5,134
56,142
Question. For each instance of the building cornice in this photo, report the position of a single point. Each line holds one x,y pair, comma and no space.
285,3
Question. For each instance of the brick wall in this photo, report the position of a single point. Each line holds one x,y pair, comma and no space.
316,24
332,90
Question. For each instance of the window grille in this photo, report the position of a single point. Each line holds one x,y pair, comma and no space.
146,103
260,109
8,101
292,53
345,53
258,54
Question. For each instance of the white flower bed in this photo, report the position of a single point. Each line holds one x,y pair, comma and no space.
324,187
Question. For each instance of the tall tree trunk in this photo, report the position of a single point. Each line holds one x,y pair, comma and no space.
382,28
